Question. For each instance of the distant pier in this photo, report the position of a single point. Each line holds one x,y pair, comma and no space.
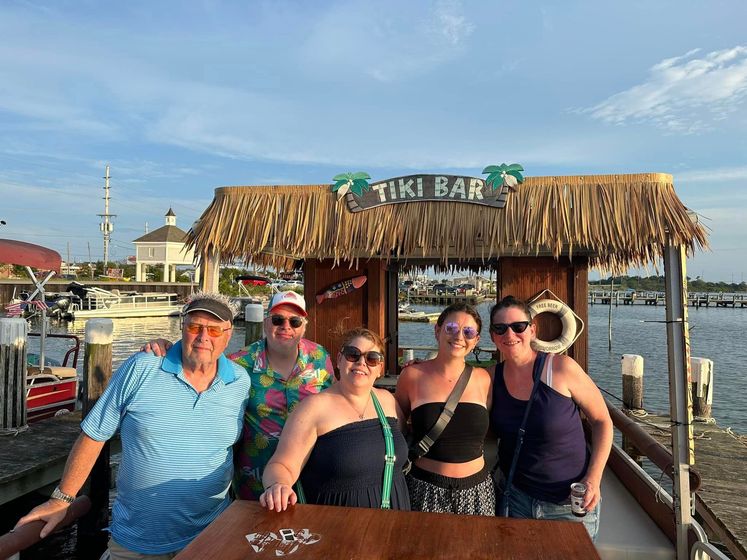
694,299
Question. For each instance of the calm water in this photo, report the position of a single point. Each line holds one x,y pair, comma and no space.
719,334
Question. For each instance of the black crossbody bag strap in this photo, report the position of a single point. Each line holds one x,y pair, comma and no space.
422,447
539,363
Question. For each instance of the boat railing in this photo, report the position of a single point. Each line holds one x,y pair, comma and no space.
26,535
71,355
648,446
649,493
703,550
478,351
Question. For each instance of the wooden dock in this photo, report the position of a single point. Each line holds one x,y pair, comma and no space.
34,459
430,298
721,459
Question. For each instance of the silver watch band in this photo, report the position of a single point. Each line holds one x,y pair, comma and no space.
58,494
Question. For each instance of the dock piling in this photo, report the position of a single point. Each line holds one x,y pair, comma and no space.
632,391
702,387
97,372
253,322
13,339
632,381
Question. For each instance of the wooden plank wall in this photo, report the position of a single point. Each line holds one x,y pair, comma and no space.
525,277
363,307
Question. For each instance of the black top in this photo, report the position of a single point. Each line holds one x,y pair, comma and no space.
346,467
463,437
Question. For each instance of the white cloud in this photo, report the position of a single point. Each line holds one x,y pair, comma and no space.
713,175
684,94
450,21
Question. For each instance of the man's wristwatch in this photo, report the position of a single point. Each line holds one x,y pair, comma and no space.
58,494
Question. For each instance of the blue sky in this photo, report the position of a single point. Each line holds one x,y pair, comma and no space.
183,97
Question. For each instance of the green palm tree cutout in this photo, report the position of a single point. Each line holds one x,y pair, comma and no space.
504,175
354,182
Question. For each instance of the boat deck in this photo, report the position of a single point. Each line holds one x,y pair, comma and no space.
626,532
721,460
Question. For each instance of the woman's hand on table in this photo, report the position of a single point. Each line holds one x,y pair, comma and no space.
278,496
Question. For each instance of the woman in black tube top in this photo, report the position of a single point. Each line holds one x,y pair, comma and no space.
334,440
452,476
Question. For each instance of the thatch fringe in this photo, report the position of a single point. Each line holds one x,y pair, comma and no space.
617,221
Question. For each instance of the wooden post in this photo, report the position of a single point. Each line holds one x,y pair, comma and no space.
13,336
92,539
609,316
209,265
632,381
252,322
632,391
702,386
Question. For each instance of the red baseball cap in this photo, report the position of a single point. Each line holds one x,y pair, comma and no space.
288,298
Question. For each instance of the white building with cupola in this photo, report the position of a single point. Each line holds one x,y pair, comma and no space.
163,248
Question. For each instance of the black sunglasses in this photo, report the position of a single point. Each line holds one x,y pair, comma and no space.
517,327
352,355
279,320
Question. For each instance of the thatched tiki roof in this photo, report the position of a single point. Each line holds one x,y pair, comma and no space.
616,220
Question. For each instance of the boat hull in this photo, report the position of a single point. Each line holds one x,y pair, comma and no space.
47,394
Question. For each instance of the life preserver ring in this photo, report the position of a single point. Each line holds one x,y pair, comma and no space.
567,318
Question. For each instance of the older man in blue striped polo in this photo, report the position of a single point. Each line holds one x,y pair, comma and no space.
179,416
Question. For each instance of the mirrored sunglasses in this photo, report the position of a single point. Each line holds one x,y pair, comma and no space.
517,327
279,320
212,330
452,329
352,355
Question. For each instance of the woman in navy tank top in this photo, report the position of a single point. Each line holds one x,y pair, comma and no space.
554,453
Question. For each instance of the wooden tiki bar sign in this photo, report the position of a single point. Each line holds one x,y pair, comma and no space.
427,188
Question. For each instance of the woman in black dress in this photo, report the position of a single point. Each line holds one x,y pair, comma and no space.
334,441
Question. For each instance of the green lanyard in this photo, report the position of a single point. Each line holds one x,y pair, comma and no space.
389,458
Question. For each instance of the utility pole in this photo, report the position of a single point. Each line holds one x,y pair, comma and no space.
106,226
90,262
68,258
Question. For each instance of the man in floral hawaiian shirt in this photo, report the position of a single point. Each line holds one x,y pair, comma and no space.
284,368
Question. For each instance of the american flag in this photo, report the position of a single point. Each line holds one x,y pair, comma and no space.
15,309
38,304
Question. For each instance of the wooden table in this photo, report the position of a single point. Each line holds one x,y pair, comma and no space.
337,532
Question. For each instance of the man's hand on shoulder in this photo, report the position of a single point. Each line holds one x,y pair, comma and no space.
159,347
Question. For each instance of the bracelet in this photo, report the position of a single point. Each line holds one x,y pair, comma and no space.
58,494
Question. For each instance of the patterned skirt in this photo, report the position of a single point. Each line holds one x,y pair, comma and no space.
471,495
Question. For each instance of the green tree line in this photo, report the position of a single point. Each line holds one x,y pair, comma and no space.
656,284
